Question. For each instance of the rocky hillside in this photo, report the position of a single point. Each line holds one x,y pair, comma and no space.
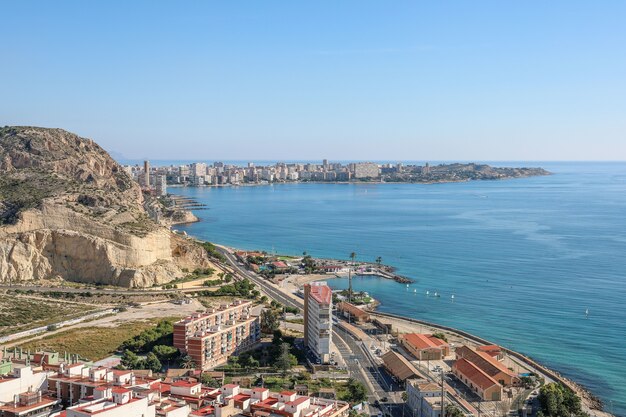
68,210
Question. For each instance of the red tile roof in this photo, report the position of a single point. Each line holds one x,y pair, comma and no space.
119,390
322,294
289,393
423,341
484,361
298,401
474,374
187,384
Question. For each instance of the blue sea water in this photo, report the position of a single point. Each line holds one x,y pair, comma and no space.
524,258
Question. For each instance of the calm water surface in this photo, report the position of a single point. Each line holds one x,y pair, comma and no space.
524,258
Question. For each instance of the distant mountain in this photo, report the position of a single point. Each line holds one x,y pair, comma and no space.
68,210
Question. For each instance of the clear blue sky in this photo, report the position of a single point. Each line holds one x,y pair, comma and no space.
466,80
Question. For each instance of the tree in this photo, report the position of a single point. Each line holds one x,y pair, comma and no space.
269,321
441,336
164,352
209,381
379,261
153,363
405,396
130,360
356,391
453,411
557,400
285,360
187,362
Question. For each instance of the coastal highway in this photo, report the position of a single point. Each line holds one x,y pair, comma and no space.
360,364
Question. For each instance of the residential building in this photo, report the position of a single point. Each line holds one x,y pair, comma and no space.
425,346
75,382
146,174
19,379
366,170
424,398
318,304
114,402
211,337
30,404
161,185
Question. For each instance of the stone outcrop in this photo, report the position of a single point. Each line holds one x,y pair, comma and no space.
68,210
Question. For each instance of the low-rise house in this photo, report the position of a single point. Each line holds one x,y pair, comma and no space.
489,365
352,312
494,351
477,380
425,346
399,366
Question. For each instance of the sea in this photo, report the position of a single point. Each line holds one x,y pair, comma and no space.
535,264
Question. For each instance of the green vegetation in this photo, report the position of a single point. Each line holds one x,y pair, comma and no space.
161,334
285,360
355,392
270,321
557,401
212,251
243,288
197,273
19,313
453,411
81,340
132,361
441,336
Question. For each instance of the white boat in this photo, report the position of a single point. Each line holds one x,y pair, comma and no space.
415,290
427,292
452,296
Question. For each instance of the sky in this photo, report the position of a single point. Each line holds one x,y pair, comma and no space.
343,80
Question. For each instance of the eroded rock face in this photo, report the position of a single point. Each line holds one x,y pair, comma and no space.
68,210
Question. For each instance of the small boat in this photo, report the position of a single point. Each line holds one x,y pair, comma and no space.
427,292
437,295
587,312
452,296
407,285
415,290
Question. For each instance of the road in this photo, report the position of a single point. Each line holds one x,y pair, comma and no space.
359,362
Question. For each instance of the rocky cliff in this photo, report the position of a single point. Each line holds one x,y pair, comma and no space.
68,210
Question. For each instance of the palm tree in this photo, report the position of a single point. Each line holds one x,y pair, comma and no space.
353,257
379,261
187,362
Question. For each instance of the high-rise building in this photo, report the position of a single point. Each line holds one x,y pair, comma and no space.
211,337
366,170
161,185
318,304
146,170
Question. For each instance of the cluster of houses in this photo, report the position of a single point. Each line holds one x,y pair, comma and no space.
60,389
261,262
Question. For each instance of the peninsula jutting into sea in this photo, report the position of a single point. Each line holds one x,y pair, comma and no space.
219,173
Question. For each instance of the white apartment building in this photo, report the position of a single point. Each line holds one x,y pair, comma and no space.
366,170
318,304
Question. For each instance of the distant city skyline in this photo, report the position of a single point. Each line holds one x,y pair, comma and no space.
489,81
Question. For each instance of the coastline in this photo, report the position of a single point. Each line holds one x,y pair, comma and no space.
591,403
